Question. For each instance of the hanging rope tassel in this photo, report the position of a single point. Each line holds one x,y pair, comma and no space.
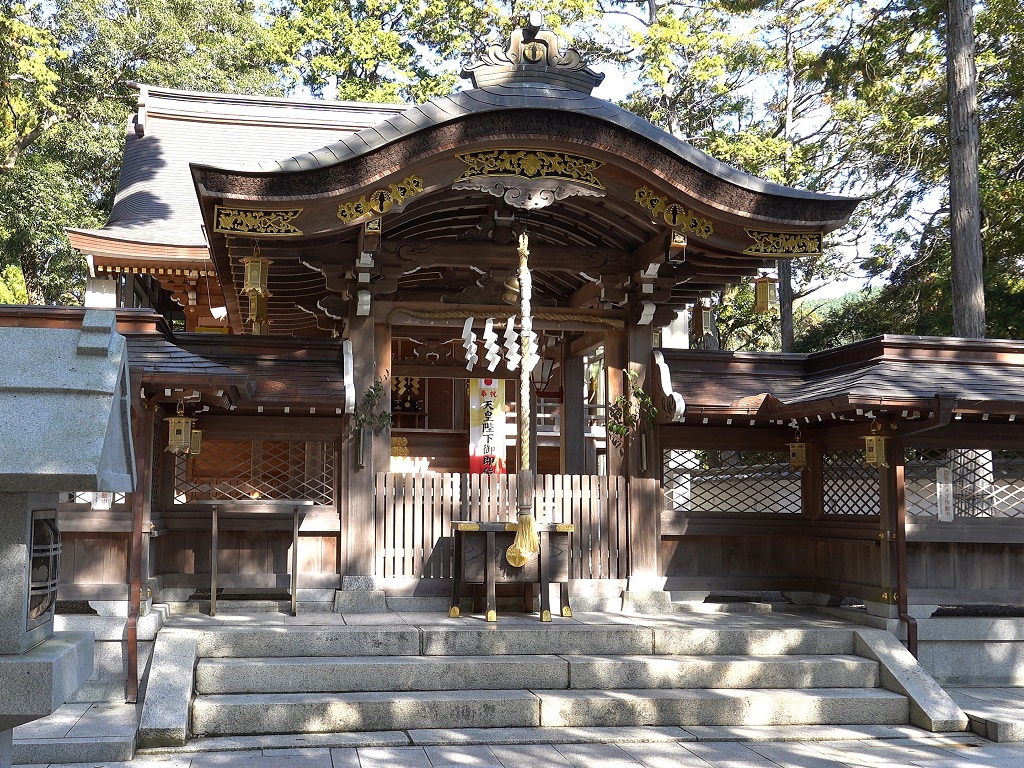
526,541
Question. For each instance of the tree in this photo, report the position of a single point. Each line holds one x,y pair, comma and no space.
964,148
66,90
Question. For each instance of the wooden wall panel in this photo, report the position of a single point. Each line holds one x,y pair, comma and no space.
94,558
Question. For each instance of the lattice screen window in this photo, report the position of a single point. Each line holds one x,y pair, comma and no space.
985,483
269,470
849,485
731,482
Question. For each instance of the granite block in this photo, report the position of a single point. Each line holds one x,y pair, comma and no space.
931,707
165,711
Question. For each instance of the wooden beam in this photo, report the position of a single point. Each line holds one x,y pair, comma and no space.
488,255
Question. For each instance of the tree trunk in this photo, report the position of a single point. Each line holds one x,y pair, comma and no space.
33,285
786,303
964,203
785,266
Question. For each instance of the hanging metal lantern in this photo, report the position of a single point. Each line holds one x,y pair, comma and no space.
874,447
257,273
258,314
764,293
179,432
797,452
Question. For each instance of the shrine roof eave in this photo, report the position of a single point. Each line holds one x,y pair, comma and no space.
119,248
905,377
558,114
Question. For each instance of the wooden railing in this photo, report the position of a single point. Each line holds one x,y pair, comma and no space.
413,514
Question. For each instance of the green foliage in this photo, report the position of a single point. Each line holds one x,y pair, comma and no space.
844,97
65,82
632,409
368,413
12,286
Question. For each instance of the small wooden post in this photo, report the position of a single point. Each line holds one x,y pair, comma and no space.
294,586
213,561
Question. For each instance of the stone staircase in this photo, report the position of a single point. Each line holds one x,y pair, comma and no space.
316,679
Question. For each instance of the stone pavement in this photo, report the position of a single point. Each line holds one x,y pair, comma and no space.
918,750
90,727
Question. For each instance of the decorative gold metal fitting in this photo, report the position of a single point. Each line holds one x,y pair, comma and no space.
515,557
566,612
468,527
545,615
513,527
492,616
565,527
454,612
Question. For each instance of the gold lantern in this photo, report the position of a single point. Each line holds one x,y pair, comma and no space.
181,438
257,273
258,314
797,452
874,447
764,293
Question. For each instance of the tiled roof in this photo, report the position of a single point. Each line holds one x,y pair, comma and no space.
156,200
517,96
886,369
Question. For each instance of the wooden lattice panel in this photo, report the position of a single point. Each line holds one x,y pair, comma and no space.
731,482
985,483
849,485
268,470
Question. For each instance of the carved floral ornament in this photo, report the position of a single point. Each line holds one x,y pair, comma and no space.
248,221
380,201
676,215
783,243
527,178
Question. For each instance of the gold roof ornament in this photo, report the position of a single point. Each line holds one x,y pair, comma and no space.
533,55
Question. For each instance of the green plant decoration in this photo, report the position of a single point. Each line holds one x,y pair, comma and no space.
368,414
629,410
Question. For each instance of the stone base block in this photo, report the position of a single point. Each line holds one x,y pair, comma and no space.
646,602
360,601
35,683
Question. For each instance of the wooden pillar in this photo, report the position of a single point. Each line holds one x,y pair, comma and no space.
645,496
615,365
890,495
812,504
573,428
137,572
371,359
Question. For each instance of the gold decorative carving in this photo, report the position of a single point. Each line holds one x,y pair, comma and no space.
531,164
253,222
676,215
380,201
784,243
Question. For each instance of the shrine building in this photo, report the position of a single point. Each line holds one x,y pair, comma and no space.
325,306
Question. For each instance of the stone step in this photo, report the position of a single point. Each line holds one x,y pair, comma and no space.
791,671
376,673
723,707
249,714
276,641
540,672
518,639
